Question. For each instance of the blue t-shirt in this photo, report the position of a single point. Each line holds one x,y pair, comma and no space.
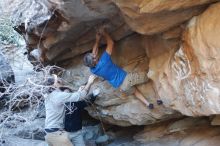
106,69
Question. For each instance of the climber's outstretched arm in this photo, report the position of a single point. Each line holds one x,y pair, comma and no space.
110,42
96,45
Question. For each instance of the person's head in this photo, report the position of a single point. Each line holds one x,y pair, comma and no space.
54,81
90,60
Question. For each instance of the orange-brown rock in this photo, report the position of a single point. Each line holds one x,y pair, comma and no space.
150,17
188,79
62,27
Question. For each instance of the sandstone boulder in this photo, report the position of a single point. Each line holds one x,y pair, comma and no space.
183,71
150,17
188,79
62,27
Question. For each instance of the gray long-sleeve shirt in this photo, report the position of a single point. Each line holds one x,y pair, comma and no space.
55,107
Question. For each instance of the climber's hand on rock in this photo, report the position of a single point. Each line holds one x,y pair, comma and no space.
102,30
98,35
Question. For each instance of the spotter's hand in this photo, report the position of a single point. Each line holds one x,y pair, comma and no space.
91,79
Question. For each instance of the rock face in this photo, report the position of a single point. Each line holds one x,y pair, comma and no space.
185,132
179,51
150,17
189,80
51,23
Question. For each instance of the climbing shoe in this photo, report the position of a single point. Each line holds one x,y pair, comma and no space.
150,106
159,102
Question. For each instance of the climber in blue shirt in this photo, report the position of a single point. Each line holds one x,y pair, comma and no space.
115,75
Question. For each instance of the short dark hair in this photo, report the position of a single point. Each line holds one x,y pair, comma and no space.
89,60
50,81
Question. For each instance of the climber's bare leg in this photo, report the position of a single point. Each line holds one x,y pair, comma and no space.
140,96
